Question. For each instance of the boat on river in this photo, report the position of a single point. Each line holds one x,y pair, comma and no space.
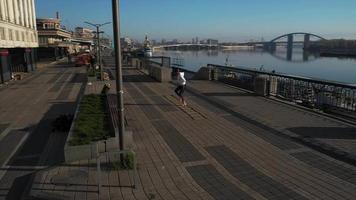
147,49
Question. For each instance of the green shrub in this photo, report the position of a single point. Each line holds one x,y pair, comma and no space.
127,164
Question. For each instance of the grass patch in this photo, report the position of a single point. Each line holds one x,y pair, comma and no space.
128,163
92,122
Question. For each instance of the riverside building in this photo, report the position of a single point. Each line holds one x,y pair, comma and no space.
54,40
18,37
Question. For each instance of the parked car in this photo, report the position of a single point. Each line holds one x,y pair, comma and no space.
82,60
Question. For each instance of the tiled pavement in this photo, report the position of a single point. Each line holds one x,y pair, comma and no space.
283,118
206,151
27,108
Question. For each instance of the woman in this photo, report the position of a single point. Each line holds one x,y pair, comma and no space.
181,86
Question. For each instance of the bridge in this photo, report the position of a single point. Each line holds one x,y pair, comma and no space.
272,45
290,39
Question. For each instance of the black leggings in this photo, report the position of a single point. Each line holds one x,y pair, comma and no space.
180,90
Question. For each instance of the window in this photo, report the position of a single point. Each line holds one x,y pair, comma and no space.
11,37
17,35
2,33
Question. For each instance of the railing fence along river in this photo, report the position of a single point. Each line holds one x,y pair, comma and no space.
321,94
325,95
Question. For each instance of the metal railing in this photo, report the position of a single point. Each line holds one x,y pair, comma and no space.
158,60
145,63
309,92
177,62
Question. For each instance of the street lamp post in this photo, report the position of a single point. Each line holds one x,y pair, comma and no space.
97,26
117,46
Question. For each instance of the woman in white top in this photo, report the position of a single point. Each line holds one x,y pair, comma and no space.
181,86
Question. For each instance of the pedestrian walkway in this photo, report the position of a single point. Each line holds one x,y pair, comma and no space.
224,145
27,108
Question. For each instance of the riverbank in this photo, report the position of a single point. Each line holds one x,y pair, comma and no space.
344,53
305,65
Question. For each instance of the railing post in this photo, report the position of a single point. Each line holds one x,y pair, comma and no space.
98,168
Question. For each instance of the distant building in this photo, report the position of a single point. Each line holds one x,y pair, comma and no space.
106,42
153,42
83,39
84,33
126,43
210,42
18,38
54,41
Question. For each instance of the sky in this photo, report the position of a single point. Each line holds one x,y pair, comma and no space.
226,20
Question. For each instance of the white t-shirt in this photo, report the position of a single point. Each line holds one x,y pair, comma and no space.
181,80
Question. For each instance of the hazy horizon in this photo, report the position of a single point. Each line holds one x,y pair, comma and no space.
226,20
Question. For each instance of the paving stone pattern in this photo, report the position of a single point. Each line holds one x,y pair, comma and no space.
174,159
215,183
288,119
30,79
8,144
58,85
182,148
56,77
332,167
243,171
263,132
3,127
68,87
28,107
165,106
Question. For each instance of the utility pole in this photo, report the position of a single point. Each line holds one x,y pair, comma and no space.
97,26
99,51
119,91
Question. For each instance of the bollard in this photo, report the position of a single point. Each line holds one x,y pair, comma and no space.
260,85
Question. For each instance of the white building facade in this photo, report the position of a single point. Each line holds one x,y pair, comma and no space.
18,24
18,37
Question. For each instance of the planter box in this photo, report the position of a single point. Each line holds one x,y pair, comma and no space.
87,151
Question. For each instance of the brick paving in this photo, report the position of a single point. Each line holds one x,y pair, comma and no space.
220,146
27,108
331,133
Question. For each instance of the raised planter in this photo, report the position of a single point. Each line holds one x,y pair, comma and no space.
75,151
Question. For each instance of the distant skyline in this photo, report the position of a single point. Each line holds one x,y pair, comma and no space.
226,20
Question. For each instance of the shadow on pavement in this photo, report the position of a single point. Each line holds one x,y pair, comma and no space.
38,139
228,94
34,152
137,78
325,132
79,78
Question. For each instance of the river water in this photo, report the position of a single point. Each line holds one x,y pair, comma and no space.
299,64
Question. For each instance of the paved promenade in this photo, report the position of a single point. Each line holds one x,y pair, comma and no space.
27,108
226,144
